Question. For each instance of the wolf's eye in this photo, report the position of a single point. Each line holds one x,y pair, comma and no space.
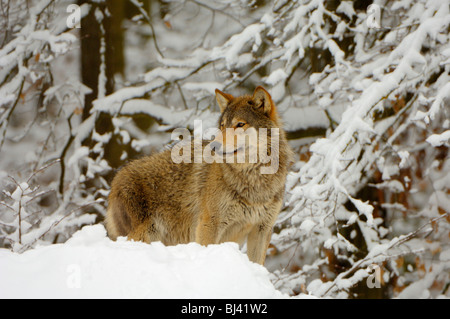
240,124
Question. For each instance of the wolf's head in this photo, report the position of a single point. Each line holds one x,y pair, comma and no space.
249,126
257,110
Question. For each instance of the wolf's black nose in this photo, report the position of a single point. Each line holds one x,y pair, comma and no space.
216,145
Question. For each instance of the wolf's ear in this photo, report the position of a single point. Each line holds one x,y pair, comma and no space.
223,99
263,101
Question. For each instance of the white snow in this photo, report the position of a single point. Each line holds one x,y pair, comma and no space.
439,139
307,225
90,265
276,77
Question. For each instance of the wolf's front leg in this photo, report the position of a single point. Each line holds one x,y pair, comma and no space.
258,242
206,232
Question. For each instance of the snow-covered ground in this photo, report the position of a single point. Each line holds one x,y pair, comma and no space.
90,265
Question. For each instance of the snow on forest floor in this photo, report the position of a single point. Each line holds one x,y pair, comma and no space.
90,265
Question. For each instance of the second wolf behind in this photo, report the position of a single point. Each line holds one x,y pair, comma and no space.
155,199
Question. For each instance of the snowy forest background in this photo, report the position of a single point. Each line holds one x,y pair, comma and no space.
362,87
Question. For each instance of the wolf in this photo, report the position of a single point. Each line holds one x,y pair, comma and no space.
156,199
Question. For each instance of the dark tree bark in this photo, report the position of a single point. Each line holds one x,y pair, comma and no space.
93,30
91,35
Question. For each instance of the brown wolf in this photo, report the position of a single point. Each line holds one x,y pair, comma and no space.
155,199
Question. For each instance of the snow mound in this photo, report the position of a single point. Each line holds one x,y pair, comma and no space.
90,265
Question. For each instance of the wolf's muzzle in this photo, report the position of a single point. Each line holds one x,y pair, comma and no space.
216,146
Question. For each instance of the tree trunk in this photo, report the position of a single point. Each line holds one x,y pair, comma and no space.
91,37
